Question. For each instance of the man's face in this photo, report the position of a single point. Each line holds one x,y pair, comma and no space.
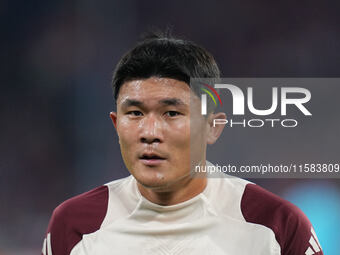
153,125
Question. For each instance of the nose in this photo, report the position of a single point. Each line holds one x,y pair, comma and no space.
151,130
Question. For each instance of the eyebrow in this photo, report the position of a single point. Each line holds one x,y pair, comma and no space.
131,102
172,101
165,101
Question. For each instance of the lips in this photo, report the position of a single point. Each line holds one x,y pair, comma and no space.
151,158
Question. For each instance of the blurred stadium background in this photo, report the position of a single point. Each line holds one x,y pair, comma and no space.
57,60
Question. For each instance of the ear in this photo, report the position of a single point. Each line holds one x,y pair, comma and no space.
215,128
113,116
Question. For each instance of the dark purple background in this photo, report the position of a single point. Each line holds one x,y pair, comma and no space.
57,59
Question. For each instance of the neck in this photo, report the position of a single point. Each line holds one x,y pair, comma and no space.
181,191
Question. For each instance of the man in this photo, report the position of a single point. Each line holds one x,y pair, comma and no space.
162,208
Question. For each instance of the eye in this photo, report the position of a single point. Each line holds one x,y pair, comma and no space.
135,113
172,113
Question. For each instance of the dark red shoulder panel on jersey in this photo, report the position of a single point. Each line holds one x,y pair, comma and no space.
291,227
75,217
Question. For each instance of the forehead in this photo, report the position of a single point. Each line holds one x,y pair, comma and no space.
154,89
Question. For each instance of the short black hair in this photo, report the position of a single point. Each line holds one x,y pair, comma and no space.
166,57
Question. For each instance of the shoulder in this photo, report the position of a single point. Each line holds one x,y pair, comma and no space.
96,196
84,214
293,231
258,202
225,194
76,216
90,206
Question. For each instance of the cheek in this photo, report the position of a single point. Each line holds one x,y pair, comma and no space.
178,137
127,144
127,134
181,128
198,138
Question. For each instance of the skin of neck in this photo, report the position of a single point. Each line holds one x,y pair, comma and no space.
179,191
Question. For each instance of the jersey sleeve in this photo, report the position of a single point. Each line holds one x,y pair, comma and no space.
293,230
57,230
299,236
73,218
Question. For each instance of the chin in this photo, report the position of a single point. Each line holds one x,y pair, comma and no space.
154,180
155,177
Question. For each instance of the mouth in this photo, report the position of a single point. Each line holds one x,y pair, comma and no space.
151,159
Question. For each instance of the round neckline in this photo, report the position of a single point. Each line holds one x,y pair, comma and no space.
202,195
